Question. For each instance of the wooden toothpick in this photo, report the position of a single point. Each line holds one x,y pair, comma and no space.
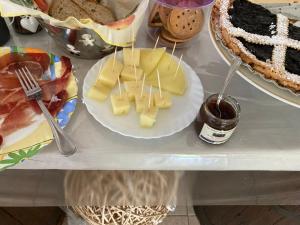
173,50
158,80
132,40
156,42
134,66
172,54
150,95
114,60
143,83
178,65
119,84
100,69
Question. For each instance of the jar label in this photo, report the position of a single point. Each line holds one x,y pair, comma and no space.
213,136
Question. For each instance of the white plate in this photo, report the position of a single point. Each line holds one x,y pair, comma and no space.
170,121
270,87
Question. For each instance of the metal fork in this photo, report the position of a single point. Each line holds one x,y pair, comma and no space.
34,92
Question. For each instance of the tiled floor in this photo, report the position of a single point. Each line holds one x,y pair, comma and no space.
181,220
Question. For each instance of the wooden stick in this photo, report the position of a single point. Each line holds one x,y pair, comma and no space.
156,42
119,84
172,55
173,50
176,72
100,69
114,62
132,40
158,80
134,66
150,95
143,83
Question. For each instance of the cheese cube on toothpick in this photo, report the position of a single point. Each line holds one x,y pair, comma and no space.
162,100
142,99
149,114
131,56
111,71
130,73
99,91
120,102
133,88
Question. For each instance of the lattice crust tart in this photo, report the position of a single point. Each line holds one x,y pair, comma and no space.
269,43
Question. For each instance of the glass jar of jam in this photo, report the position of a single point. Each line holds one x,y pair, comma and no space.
215,124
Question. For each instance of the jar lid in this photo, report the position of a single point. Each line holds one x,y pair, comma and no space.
185,3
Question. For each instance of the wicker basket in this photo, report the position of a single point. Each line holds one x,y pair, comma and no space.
121,197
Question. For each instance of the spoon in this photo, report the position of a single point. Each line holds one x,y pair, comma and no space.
234,66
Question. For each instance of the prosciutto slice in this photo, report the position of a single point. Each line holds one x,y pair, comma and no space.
16,111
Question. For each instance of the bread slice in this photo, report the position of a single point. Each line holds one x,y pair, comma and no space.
96,11
62,9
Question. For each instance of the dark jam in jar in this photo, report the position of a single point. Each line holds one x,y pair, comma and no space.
215,124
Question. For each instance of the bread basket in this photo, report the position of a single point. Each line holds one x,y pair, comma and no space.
84,38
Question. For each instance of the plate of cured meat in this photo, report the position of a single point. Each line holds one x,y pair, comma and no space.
23,128
268,44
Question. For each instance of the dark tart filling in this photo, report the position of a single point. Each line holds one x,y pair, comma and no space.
292,61
253,18
256,19
262,52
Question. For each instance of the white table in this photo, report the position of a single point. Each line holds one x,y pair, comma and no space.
267,137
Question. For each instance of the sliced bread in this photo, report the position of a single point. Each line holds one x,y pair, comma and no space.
96,11
62,9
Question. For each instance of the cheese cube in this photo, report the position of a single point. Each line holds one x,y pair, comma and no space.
120,104
142,102
131,58
164,101
99,92
110,72
128,73
148,117
133,88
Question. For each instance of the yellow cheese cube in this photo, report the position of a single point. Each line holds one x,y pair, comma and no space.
130,57
164,101
120,104
169,82
110,72
150,58
142,102
148,117
99,92
133,88
128,73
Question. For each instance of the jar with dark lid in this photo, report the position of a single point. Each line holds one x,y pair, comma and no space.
215,124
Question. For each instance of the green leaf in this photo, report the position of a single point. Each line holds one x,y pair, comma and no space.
33,151
14,156
8,161
22,153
